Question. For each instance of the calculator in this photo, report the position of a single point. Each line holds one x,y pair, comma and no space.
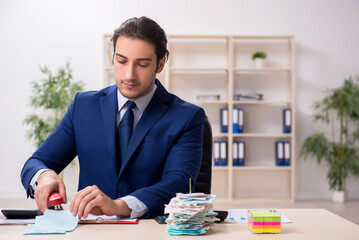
20,213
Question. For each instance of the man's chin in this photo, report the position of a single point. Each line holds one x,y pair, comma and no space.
130,95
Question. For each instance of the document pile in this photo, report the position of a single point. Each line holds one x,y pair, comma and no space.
190,214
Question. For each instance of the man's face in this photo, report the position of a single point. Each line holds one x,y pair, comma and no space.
135,67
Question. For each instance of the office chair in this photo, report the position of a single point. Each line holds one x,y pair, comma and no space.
203,183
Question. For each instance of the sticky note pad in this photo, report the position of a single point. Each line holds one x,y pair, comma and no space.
264,221
53,222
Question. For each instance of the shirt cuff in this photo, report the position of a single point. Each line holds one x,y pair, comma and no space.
138,207
33,184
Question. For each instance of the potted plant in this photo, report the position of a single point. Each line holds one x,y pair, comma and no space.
50,98
259,58
340,110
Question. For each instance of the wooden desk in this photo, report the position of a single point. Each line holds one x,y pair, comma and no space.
306,224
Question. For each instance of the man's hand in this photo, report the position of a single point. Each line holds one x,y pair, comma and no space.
47,183
93,200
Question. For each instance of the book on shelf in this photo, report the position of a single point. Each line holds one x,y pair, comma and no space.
287,120
223,154
287,153
216,156
224,120
282,151
238,153
220,153
238,120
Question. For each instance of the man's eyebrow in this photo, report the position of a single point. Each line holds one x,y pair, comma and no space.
144,59
117,54
138,59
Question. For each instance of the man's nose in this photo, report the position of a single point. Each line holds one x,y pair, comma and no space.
130,72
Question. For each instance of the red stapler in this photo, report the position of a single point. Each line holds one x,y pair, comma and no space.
55,201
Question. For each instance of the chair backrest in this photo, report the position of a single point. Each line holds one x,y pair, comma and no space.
203,183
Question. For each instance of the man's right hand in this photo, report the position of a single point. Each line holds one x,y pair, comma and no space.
47,183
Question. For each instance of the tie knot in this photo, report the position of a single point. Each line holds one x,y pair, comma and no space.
130,105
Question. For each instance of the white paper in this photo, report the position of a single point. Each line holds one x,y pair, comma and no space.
5,221
105,218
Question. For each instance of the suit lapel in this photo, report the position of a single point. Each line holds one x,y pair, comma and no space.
155,109
108,105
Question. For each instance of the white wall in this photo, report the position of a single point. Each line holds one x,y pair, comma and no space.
34,33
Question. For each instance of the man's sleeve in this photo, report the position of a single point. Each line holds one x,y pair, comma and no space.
138,207
55,153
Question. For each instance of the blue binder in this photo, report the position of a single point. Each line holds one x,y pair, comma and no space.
223,154
224,120
235,153
287,120
238,153
216,157
286,153
238,120
279,153
242,153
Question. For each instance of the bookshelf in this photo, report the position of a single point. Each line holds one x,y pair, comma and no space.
222,65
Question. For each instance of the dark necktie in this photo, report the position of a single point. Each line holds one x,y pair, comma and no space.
125,131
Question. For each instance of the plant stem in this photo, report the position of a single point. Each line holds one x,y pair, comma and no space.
341,153
333,127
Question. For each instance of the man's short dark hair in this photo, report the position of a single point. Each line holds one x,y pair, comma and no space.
146,29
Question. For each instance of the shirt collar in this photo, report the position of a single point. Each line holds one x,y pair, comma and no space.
141,103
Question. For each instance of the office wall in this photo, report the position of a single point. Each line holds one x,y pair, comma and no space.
34,33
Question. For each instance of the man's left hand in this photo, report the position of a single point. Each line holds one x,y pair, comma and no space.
92,200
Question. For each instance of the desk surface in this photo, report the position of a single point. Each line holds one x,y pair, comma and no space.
306,224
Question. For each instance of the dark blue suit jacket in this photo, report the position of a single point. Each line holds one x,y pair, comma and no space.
165,149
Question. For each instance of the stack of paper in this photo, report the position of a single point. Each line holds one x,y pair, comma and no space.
190,214
264,221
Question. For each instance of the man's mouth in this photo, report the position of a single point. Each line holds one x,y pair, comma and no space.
129,84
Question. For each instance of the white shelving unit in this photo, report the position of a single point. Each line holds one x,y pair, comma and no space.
108,74
222,65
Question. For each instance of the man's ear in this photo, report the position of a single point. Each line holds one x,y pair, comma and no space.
161,65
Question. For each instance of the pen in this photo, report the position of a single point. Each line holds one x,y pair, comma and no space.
190,186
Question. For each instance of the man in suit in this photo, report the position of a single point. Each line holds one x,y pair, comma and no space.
163,151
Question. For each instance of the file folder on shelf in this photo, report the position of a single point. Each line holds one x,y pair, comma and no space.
282,151
238,153
224,120
286,153
279,153
216,147
238,120
223,154
287,120
220,153
235,153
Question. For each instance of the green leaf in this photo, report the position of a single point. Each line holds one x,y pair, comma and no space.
340,154
51,95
